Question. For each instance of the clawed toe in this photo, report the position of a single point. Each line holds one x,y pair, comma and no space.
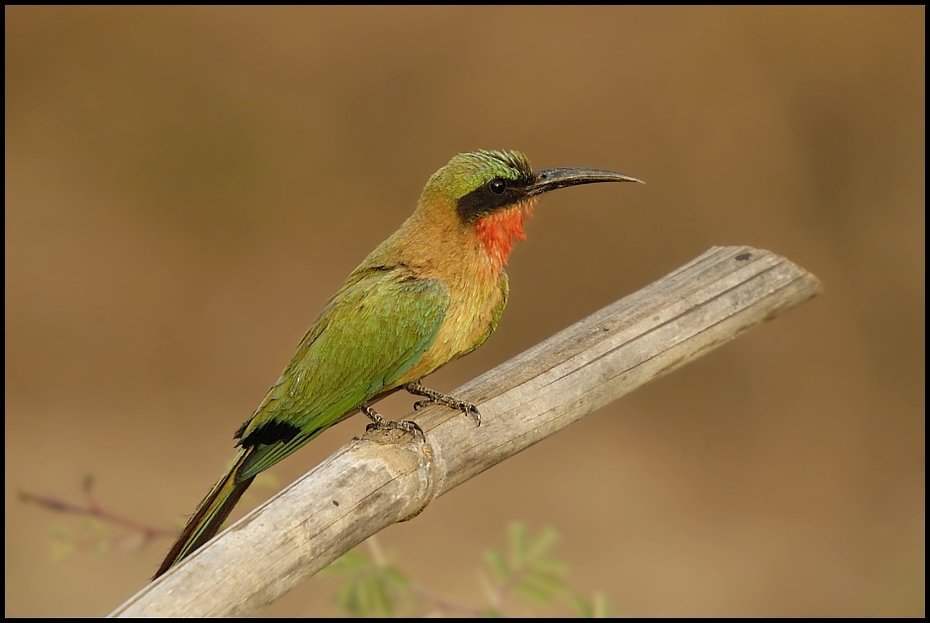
465,407
404,425
472,410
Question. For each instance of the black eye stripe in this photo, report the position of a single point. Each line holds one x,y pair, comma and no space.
497,193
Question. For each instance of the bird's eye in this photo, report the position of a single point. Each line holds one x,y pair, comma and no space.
497,186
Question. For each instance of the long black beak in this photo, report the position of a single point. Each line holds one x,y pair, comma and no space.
551,179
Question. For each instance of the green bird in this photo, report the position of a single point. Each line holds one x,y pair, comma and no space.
432,292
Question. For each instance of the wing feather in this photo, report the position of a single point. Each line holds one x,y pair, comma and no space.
372,332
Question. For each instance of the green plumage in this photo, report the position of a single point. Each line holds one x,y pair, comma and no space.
372,332
432,292
368,336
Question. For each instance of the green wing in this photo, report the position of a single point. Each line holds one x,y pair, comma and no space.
373,331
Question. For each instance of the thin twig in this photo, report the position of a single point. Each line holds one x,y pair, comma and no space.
93,509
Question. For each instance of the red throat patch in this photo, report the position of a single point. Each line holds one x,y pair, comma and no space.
500,230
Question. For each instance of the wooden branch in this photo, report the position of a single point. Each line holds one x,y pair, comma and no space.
385,477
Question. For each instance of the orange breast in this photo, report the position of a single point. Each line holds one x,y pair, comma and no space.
476,291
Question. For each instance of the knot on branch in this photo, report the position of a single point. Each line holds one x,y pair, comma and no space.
407,443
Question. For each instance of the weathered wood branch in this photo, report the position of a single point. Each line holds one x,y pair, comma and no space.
386,477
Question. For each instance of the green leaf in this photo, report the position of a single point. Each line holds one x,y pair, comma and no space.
380,598
542,543
351,561
61,544
347,597
543,583
581,606
96,527
539,588
518,545
498,565
394,578
365,601
369,590
532,593
599,607
551,566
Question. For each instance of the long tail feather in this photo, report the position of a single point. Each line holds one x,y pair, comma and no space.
210,515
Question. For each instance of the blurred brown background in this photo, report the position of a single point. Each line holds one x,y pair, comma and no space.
186,187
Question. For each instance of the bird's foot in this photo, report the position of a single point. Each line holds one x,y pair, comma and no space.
434,397
379,423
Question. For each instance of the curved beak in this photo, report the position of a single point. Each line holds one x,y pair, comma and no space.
551,179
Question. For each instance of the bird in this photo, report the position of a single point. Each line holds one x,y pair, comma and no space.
430,293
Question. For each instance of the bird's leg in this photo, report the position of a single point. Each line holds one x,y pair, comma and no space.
379,423
434,397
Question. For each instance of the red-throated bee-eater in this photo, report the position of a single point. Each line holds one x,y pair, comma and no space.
430,293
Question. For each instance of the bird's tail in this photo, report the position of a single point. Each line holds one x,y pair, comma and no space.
210,515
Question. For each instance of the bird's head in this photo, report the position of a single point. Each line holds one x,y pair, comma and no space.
494,191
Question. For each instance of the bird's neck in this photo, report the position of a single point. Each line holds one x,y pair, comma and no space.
435,242
501,230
